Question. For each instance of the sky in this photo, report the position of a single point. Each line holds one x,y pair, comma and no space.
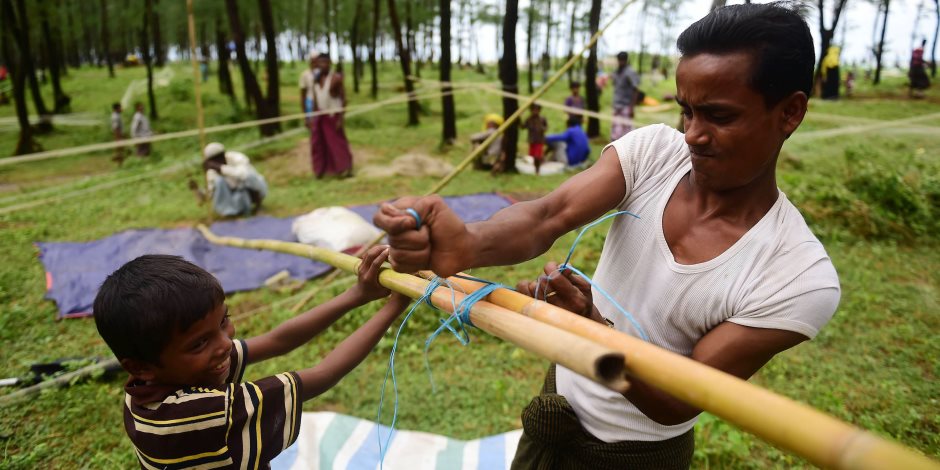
854,31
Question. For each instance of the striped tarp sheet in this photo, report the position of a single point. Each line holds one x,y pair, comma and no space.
334,441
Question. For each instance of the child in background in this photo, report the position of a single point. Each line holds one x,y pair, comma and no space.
575,101
536,125
140,127
185,403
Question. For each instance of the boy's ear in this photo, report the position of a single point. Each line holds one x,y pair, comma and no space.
141,370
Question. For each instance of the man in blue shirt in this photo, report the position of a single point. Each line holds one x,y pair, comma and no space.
573,142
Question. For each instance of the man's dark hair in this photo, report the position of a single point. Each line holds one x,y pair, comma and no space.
623,56
115,106
573,121
142,304
776,36
575,84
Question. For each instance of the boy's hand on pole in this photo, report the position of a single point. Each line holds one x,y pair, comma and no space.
368,287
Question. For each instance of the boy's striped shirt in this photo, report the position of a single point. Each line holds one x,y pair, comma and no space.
236,425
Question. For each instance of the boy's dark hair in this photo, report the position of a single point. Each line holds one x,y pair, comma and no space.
575,84
141,305
776,36
573,121
535,106
115,106
623,56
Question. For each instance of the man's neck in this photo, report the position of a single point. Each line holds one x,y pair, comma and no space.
744,205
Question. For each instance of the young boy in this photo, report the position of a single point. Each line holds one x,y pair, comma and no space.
185,403
536,125
140,127
575,101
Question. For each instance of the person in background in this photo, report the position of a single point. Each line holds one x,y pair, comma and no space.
571,146
917,74
232,183
849,82
494,151
330,152
536,126
117,132
575,100
830,74
626,82
140,127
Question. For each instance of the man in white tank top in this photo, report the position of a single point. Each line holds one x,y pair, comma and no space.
719,267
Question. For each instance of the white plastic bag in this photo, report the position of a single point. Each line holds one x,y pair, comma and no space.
336,228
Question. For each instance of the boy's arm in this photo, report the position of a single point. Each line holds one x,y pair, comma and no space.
351,351
298,330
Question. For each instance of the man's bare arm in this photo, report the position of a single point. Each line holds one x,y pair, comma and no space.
517,233
738,350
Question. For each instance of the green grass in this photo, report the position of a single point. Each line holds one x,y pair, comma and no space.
872,197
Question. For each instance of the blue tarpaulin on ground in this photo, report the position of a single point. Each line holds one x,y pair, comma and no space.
75,271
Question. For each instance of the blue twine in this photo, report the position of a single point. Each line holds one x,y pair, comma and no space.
434,283
566,266
417,217
461,314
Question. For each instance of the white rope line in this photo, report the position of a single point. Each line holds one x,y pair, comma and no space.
188,133
182,165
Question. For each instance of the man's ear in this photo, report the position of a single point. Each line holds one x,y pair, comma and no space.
141,370
792,111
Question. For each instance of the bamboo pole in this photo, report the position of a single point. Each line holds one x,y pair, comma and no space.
196,78
581,355
818,437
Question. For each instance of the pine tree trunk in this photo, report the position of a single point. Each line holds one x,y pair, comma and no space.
354,44
373,65
148,56
54,59
8,32
327,28
404,57
225,77
252,89
528,45
273,96
936,32
28,65
159,52
509,75
590,73
881,43
106,38
574,6
449,118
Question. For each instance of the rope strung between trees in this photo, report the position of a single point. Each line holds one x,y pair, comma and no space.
193,132
355,110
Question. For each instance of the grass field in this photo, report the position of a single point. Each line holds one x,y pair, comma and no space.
870,190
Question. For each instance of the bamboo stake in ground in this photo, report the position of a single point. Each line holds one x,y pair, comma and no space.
822,439
585,357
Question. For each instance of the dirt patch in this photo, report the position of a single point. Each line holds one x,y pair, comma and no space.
296,162
410,165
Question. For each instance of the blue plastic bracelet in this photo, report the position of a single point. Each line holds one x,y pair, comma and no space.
417,217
